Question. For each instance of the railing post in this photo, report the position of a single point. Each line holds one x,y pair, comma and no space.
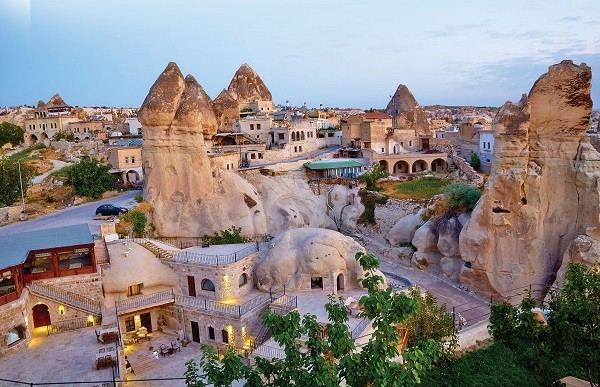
239,311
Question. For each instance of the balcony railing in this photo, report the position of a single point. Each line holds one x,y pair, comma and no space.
67,297
73,324
216,259
144,301
221,308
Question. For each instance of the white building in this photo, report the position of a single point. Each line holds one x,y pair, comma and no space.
486,149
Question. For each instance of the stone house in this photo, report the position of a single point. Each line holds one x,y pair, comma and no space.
46,120
49,279
126,163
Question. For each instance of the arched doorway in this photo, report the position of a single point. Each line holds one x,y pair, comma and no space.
419,166
132,176
228,141
439,165
401,167
384,165
340,282
41,315
33,139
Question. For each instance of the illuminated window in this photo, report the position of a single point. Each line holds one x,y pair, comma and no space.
129,324
134,290
61,309
15,334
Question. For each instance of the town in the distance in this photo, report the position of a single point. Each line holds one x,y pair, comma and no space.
134,239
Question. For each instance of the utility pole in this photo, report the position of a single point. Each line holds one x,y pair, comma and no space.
23,213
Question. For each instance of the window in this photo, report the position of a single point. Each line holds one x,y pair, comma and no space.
126,159
40,263
410,143
211,333
74,259
15,334
329,134
281,136
252,156
208,285
300,148
295,149
7,283
132,159
260,155
134,290
316,283
129,324
243,280
258,126
225,335
251,126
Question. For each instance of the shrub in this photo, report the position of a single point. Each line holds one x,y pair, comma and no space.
139,198
225,237
369,200
475,161
461,197
136,219
370,177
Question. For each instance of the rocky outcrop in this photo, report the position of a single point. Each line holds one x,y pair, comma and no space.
542,191
344,207
299,255
404,230
55,101
406,112
188,197
437,244
584,249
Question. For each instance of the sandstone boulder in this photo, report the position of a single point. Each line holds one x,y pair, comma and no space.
345,207
583,249
541,193
404,230
299,255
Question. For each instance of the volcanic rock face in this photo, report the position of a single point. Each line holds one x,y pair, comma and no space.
180,185
405,111
298,255
245,86
543,188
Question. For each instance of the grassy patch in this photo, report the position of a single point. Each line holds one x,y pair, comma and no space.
418,189
369,199
492,366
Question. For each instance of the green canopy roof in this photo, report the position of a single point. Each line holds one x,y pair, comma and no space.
332,164
15,247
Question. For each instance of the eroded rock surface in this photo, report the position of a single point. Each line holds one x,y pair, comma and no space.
406,112
543,187
298,255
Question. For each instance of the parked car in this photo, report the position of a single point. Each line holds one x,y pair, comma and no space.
110,209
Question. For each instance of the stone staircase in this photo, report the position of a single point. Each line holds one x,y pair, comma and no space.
62,296
160,252
102,257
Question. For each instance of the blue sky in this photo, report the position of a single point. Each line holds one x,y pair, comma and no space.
338,53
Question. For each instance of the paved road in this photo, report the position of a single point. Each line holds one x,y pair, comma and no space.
83,213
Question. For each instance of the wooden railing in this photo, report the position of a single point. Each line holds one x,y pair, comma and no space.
64,296
142,301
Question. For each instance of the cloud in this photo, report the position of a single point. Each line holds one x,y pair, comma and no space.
569,19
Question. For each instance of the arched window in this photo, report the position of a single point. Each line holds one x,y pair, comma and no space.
243,280
302,135
15,334
293,136
225,335
211,333
208,285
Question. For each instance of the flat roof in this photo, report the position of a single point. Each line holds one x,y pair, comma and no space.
15,247
332,164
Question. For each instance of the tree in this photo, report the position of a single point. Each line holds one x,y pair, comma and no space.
475,161
333,360
570,343
370,177
10,185
90,178
11,133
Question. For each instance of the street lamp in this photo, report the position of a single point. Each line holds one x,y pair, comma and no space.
23,213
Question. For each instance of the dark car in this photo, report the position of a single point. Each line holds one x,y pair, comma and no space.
109,209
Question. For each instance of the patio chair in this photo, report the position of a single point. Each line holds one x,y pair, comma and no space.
164,350
175,345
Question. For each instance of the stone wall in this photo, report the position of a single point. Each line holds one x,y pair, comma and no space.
14,314
88,285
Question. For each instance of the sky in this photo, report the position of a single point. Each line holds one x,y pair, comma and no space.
336,53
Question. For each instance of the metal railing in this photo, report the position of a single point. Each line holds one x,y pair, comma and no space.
73,324
216,259
267,352
73,299
221,308
283,304
142,301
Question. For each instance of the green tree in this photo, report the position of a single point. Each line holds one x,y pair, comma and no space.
225,237
90,178
138,220
10,185
11,133
461,197
570,343
475,161
333,360
370,177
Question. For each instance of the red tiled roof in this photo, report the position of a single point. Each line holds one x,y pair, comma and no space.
377,116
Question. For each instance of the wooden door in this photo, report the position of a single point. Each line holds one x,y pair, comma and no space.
146,321
41,316
195,331
191,285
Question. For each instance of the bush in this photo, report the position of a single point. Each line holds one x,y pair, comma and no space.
139,198
225,237
461,197
136,219
11,133
369,200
